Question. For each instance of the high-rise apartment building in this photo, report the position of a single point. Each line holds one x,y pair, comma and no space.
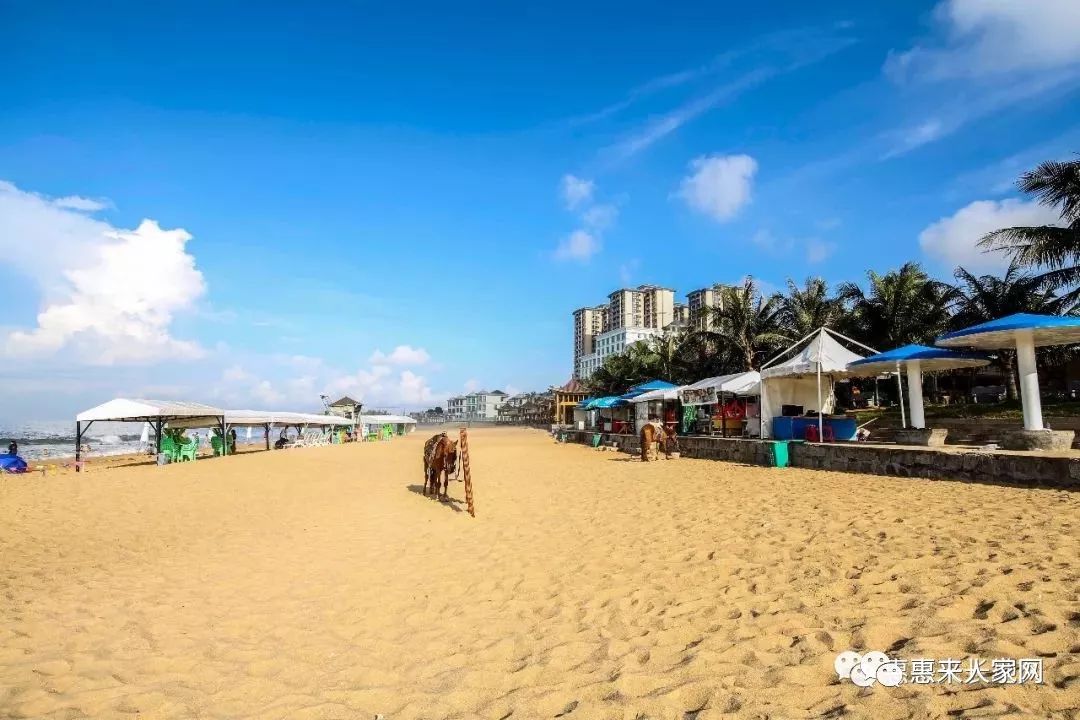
588,323
631,315
700,304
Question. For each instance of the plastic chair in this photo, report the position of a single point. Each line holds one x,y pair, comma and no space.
188,450
812,434
216,444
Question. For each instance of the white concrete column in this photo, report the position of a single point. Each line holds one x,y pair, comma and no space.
915,399
1029,380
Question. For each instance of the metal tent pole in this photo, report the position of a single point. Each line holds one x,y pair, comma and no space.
267,434
820,409
78,446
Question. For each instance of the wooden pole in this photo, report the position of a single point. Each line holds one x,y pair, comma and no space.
464,447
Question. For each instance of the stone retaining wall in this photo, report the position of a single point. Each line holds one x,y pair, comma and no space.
974,466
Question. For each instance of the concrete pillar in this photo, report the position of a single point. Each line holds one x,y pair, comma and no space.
1029,380
915,398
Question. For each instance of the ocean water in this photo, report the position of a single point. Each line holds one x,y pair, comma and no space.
45,440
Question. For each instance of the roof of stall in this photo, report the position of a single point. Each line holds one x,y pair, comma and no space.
1001,333
387,420
929,358
822,351
126,410
671,393
744,383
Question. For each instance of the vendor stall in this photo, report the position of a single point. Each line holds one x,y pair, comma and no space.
797,394
725,404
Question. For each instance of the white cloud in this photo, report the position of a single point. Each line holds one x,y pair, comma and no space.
75,202
600,217
908,139
472,385
401,355
719,185
413,389
951,241
818,250
578,245
576,191
235,373
109,295
986,37
264,392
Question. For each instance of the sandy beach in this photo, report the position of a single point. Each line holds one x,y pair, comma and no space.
319,583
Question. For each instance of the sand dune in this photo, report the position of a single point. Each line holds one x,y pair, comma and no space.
318,583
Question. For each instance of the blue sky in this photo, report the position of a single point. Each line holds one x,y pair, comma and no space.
402,202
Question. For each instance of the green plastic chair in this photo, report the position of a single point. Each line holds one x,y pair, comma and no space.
596,438
216,444
168,448
188,450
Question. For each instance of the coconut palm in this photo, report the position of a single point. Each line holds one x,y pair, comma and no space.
1053,249
900,307
803,310
749,325
987,297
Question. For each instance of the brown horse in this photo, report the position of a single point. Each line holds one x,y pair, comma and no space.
653,432
440,459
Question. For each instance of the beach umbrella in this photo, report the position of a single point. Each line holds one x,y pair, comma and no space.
1024,332
915,359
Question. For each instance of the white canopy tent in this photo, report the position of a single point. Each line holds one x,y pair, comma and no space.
707,391
806,378
155,412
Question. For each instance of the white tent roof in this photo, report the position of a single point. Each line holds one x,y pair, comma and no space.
744,383
387,420
256,418
821,349
125,410
664,394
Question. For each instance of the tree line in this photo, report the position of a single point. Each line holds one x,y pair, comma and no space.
895,308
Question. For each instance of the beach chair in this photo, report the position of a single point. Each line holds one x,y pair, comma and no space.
216,444
596,438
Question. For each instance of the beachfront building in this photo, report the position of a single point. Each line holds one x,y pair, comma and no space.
566,399
530,408
700,304
345,407
630,315
588,323
477,406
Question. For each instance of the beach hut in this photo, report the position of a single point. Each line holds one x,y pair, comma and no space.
1023,332
807,380
914,359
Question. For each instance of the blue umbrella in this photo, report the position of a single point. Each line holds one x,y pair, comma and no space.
915,359
1025,332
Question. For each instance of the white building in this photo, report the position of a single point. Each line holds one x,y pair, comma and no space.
611,342
480,405
630,315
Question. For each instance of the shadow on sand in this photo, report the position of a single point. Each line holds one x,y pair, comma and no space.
452,502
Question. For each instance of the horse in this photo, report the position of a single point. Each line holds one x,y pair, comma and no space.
653,432
440,459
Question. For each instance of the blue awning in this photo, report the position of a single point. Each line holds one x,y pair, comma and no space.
601,402
930,358
1001,333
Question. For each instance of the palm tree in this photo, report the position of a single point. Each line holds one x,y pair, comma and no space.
749,324
1053,249
902,306
986,297
804,310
